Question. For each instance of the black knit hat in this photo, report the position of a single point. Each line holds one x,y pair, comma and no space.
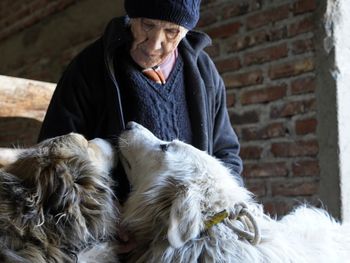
181,12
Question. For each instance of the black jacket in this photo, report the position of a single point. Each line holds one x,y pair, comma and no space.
87,97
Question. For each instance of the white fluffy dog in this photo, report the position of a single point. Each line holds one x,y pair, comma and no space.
186,207
57,205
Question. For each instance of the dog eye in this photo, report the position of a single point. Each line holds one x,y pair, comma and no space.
164,147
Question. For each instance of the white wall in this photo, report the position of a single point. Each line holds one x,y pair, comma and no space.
341,18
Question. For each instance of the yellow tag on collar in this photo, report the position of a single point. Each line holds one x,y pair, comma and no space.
216,219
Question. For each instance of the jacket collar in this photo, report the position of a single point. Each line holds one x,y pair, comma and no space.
195,42
117,33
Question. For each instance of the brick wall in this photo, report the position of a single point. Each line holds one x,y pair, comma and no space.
265,52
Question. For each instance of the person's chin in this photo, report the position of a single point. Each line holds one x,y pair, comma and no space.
145,61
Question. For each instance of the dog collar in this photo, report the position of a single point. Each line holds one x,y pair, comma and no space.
216,219
250,231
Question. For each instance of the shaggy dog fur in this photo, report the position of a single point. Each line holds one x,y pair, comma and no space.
56,201
176,189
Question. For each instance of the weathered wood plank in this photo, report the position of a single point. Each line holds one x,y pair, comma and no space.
24,98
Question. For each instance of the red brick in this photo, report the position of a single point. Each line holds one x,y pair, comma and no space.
250,152
295,149
252,39
266,54
223,31
268,16
235,9
230,99
228,64
303,6
303,26
241,8
272,130
306,168
297,188
263,95
213,50
292,108
238,80
278,208
207,18
278,169
305,126
207,2
281,205
303,46
303,85
258,188
292,68
244,118
242,42
275,34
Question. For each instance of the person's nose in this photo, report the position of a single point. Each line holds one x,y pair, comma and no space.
155,40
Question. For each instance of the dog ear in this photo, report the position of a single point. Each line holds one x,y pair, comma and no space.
185,219
26,171
48,182
55,186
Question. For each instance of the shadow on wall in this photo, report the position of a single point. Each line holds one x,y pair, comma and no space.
18,131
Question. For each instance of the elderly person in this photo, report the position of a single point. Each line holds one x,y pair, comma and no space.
148,67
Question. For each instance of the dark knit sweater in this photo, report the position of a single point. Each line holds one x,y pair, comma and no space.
161,108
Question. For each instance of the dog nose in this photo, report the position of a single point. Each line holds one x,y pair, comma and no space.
130,125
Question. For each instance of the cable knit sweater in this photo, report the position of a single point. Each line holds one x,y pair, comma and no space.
161,108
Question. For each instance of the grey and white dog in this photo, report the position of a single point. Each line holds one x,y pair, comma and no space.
56,202
186,207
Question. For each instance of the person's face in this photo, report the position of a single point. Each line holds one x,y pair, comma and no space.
154,40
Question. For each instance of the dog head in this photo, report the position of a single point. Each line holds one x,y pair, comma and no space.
173,185
62,187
